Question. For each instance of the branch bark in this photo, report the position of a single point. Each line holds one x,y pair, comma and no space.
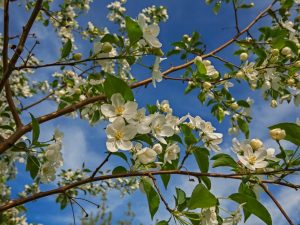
237,176
277,204
11,65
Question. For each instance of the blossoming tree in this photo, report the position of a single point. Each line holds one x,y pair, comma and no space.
153,141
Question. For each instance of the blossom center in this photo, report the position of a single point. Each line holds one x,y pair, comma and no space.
252,159
119,135
119,110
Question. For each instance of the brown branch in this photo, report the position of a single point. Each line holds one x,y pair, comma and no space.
160,194
101,165
11,65
26,128
237,176
277,204
11,140
12,106
37,102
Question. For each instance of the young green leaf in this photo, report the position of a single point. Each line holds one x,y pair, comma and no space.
33,166
223,159
35,129
66,50
152,197
113,85
133,29
252,206
201,198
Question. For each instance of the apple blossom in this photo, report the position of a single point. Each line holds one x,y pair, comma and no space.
160,129
118,108
146,155
171,153
150,32
253,159
119,135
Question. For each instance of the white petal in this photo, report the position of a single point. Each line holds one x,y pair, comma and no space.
166,131
153,41
141,21
111,146
130,110
124,145
117,100
118,123
108,110
154,29
129,132
143,128
261,164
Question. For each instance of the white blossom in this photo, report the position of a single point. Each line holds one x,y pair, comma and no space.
208,216
146,155
118,108
119,135
172,153
150,32
160,129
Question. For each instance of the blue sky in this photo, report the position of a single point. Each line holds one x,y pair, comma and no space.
83,143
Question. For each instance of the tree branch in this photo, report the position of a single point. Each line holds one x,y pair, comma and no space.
277,204
11,65
101,165
237,176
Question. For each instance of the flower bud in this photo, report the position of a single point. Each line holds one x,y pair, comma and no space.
243,56
106,47
274,103
206,85
297,64
277,134
198,59
77,56
256,144
275,52
291,81
240,74
234,106
286,51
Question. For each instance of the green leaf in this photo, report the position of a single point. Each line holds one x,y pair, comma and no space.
200,67
33,166
223,159
144,138
66,50
166,177
217,7
114,85
201,156
243,125
133,29
119,169
201,198
252,206
121,155
180,196
152,197
35,129
162,222
292,131
189,137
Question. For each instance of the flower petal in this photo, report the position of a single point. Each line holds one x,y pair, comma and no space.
108,110
117,100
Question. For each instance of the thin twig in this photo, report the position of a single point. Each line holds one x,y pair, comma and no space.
235,16
160,194
277,204
101,165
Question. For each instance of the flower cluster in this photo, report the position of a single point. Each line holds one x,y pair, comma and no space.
252,153
52,159
128,123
